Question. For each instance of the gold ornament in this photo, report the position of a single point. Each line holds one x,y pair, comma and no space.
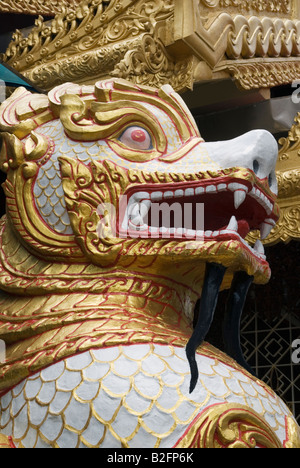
153,43
71,281
229,425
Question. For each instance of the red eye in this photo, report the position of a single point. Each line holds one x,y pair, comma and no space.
136,138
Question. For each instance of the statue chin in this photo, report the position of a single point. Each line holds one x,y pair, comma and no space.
122,226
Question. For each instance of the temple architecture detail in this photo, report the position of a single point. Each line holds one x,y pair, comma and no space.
166,41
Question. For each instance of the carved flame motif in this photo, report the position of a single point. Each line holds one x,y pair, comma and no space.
229,426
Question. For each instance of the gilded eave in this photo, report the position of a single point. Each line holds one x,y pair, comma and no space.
255,42
37,7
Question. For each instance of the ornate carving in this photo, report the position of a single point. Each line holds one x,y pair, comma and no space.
146,42
235,37
150,64
252,74
97,39
229,425
37,7
259,6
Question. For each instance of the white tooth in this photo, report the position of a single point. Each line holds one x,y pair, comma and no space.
136,221
178,193
233,186
156,195
190,233
208,233
239,197
189,192
134,210
210,189
164,230
180,231
199,190
144,207
258,247
136,197
266,227
222,187
168,194
200,234
233,225
137,224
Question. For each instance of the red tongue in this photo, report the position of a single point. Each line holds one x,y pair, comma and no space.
243,228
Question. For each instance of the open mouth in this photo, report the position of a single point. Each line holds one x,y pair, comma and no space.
218,209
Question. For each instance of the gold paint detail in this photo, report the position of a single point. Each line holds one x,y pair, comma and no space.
244,6
221,34
253,74
229,425
149,63
162,42
77,323
37,7
128,399
97,40
87,114
6,442
293,433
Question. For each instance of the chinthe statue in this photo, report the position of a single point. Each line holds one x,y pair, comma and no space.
121,227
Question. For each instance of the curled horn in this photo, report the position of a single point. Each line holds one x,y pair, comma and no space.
11,152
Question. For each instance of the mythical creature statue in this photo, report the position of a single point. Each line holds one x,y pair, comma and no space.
119,219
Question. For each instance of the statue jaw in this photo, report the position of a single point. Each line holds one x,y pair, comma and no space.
138,218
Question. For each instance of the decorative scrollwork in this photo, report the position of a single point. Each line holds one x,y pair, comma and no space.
259,6
252,74
229,425
38,7
150,64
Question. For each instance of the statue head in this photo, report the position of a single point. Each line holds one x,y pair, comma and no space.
117,171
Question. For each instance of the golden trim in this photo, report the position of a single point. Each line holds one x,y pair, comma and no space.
293,433
229,425
6,442
256,74
37,7
163,42
234,36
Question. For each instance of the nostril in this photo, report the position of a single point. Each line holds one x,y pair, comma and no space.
255,166
272,180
